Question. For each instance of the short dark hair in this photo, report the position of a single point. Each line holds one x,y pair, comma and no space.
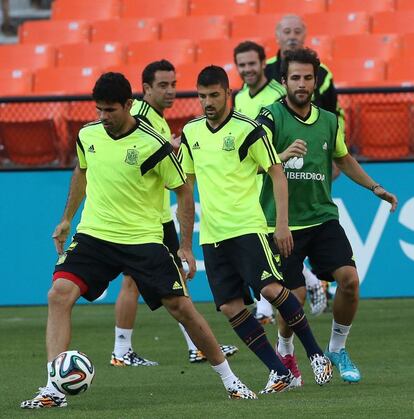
247,46
213,74
148,75
301,55
112,88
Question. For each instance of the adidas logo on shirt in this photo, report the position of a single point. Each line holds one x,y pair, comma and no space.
265,275
91,149
196,146
177,286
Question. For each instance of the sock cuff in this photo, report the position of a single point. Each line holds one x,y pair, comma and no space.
281,298
240,318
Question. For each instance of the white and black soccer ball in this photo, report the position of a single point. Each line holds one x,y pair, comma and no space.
72,372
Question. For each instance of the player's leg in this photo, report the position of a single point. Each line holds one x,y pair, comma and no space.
225,266
81,270
317,294
264,311
332,259
344,310
125,313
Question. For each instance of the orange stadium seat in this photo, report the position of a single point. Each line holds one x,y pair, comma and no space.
356,72
15,82
337,23
156,8
178,51
46,32
101,54
223,7
322,45
292,6
209,51
30,133
370,6
132,72
125,30
407,41
255,26
404,5
384,47
195,27
27,56
187,76
376,124
401,71
85,9
393,22
65,80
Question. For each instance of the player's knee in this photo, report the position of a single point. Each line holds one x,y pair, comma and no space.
350,286
129,286
63,294
232,308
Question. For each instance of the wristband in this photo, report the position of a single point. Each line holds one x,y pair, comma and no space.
373,187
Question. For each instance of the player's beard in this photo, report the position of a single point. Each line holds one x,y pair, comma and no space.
300,102
214,113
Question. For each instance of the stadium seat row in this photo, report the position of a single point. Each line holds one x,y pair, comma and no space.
183,51
86,9
208,27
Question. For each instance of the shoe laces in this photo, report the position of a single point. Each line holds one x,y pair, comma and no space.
291,364
345,360
318,363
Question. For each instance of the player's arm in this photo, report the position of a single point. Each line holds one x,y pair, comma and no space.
76,195
347,164
174,178
185,217
282,235
262,151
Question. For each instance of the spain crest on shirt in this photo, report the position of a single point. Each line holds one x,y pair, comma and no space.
228,143
131,156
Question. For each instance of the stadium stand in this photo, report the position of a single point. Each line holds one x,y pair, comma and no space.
337,23
125,30
292,6
178,51
15,82
100,54
255,26
352,6
27,56
223,7
393,22
401,71
195,27
46,31
404,5
160,8
85,9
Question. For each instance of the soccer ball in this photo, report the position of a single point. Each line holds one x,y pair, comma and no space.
72,372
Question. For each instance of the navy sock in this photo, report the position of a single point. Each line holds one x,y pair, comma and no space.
251,332
293,314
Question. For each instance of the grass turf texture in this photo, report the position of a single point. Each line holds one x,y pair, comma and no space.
381,344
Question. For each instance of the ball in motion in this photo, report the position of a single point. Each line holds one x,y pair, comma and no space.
72,372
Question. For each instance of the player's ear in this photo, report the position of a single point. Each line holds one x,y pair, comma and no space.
145,88
128,104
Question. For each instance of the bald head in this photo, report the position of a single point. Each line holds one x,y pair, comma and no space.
290,33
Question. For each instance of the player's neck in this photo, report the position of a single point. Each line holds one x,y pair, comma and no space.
159,109
302,111
129,124
216,123
258,86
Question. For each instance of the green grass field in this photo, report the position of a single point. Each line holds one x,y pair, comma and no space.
381,344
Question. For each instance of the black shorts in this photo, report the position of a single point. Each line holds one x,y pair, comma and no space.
235,264
97,262
171,241
327,247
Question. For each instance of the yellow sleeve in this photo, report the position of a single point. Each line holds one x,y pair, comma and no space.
81,154
265,119
261,150
170,170
341,149
185,155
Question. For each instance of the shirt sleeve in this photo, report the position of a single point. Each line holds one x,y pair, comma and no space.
341,149
258,147
185,155
265,119
81,154
170,170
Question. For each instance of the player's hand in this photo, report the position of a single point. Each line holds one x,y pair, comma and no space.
60,235
296,149
387,196
175,142
284,240
186,256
